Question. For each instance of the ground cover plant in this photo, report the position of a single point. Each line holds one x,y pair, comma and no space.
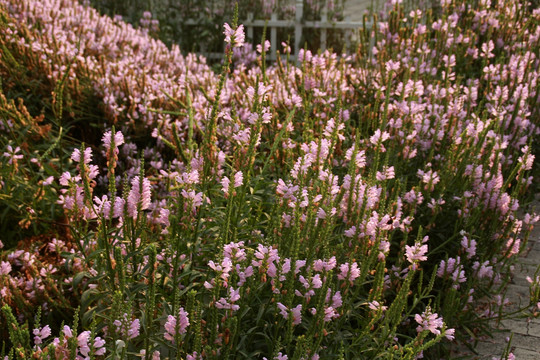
342,207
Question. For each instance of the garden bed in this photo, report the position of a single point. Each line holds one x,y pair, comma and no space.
347,206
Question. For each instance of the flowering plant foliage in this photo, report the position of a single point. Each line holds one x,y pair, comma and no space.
353,206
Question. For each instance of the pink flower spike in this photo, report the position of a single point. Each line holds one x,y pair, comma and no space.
176,325
225,182
41,334
234,37
138,194
238,179
416,253
118,140
429,321
297,314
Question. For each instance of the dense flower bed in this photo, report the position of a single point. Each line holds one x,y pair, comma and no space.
347,206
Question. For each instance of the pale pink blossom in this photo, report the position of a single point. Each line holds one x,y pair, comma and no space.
235,37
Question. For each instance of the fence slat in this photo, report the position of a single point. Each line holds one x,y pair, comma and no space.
249,28
298,27
348,27
324,19
273,38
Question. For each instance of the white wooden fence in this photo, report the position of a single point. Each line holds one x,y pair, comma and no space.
299,25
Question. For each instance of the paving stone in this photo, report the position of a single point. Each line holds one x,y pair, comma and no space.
517,295
521,280
493,347
533,257
527,342
534,320
524,354
534,328
516,326
525,269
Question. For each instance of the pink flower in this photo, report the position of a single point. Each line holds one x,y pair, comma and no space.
41,333
139,194
176,326
5,268
118,209
296,312
229,304
126,328
266,47
225,182
469,245
99,346
103,205
234,251
330,313
67,332
238,179
118,140
283,310
378,138
417,252
349,272
87,157
82,341
163,218
429,321
234,37
376,306
192,356
12,154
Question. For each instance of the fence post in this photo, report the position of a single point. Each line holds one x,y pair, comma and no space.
324,20
298,26
250,27
273,37
347,35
